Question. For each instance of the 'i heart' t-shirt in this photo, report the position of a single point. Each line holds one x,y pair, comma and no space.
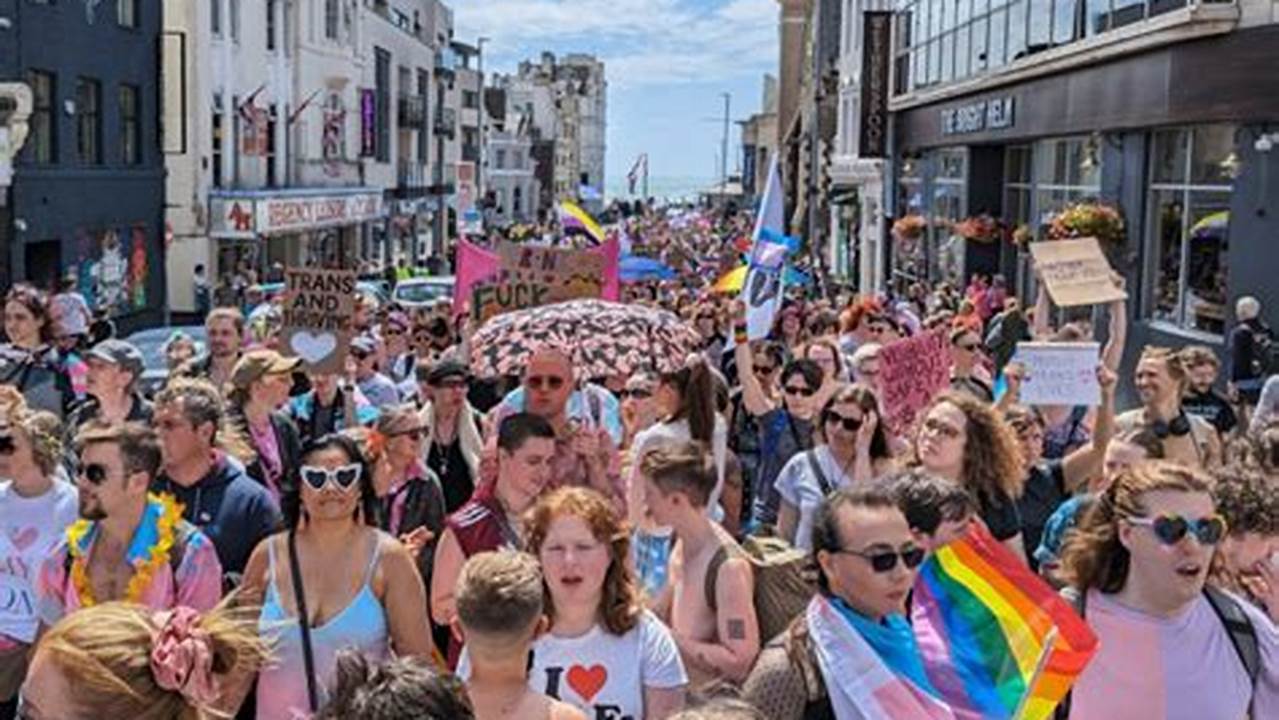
601,673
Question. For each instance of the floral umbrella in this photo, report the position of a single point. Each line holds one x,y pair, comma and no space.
605,338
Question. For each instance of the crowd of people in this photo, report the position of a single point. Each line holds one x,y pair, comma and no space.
407,540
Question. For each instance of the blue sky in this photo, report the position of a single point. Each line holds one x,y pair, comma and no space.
667,61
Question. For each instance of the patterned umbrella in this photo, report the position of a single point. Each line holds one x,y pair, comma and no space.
605,338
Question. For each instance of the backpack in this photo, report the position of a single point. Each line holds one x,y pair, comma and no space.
784,581
1243,636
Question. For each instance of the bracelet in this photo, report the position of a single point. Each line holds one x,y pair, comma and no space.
740,334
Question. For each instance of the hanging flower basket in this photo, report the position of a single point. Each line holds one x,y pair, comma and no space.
1081,220
1022,236
979,228
910,227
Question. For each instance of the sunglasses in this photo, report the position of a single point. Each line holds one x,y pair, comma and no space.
637,393
415,434
359,354
6,445
969,347
885,560
799,390
764,369
393,331
1170,529
537,382
95,473
851,424
344,477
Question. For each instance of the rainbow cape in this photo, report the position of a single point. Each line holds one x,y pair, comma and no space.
996,640
573,217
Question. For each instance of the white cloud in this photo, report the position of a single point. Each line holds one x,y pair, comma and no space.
642,42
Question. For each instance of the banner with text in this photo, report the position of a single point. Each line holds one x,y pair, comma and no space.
912,372
1059,373
318,309
531,275
1076,272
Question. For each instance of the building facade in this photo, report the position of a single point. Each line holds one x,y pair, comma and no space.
1017,109
759,144
86,196
511,182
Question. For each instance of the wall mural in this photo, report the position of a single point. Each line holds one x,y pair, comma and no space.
112,268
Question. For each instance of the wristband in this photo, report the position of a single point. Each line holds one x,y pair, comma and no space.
740,334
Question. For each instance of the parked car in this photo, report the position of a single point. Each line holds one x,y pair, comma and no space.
151,344
423,292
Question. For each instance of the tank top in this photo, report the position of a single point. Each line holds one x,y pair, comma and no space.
360,626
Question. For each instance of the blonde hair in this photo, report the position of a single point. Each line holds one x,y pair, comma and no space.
105,652
42,429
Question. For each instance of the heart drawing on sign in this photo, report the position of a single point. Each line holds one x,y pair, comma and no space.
587,682
313,348
22,539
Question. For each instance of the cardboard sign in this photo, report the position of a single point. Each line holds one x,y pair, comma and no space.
1076,272
912,372
318,309
531,275
1059,373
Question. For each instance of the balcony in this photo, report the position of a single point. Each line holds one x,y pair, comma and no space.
471,153
446,122
412,111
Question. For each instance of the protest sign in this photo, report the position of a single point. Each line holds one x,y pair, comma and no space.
1076,272
318,309
476,265
530,275
912,372
1059,373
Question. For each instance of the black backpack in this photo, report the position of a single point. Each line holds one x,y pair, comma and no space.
1243,636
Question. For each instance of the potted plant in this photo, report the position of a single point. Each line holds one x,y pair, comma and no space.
979,228
1088,219
910,227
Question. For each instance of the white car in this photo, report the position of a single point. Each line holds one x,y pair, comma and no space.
423,292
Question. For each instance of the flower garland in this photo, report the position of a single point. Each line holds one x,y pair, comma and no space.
164,513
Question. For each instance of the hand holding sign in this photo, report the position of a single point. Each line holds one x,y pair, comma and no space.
1076,272
1057,374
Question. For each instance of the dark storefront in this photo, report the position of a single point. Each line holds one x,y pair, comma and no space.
1180,139
88,187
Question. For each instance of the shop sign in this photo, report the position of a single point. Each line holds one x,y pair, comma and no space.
993,114
873,139
368,123
246,218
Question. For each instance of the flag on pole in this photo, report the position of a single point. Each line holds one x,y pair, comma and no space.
633,177
573,217
762,290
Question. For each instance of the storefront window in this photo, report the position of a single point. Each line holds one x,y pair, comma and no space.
1190,227
1067,170
949,190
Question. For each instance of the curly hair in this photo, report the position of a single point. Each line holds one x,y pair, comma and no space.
992,455
1093,556
43,431
620,606
1248,499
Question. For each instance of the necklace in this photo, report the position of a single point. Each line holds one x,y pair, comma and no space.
159,520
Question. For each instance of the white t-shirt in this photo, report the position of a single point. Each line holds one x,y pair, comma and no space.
604,674
798,486
30,528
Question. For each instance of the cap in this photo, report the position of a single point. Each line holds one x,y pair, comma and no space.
255,364
448,368
364,344
121,353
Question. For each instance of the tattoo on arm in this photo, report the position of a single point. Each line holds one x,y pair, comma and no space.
736,629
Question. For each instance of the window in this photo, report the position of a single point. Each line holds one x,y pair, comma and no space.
424,92
43,123
218,141
215,17
270,25
1191,184
499,159
88,99
130,125
271,161
382,79
234,16
331,19
470,99
126,13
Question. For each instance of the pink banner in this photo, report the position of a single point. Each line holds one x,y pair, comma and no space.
912,372
475,264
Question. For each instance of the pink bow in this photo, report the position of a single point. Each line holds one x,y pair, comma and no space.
182,657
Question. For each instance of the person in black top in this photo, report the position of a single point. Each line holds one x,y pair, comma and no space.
1200,398
965,351
114,367
452,428
1249,349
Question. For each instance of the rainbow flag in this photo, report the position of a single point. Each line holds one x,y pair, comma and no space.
996,640
573,217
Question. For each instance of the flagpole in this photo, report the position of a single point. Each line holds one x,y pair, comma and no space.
645,177
1049,641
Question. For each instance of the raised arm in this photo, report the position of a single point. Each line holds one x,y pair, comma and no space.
1113,354
1041,328
1086,461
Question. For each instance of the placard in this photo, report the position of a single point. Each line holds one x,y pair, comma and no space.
531,275
912,372
1076,272
318,310
1059,373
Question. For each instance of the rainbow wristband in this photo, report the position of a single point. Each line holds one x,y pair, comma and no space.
740,334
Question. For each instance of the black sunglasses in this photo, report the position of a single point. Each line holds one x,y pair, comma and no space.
537,382
637,393
849,423
344,477
885,560
95,473
764,369
800,390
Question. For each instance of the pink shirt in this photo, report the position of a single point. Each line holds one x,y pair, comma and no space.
1179,668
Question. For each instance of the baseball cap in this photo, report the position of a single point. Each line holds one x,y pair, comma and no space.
121,353
255,364
364,344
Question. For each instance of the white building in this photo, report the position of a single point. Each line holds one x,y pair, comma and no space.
510,175
254,78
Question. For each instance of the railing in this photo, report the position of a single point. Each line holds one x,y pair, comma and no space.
412,111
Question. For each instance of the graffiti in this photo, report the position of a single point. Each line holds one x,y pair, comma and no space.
111,268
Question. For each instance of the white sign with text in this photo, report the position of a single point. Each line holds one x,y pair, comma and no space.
1059,373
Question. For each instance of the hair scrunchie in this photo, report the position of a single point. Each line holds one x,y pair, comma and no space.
182,657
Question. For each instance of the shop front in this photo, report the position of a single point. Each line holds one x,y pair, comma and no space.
1178,140
261,231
